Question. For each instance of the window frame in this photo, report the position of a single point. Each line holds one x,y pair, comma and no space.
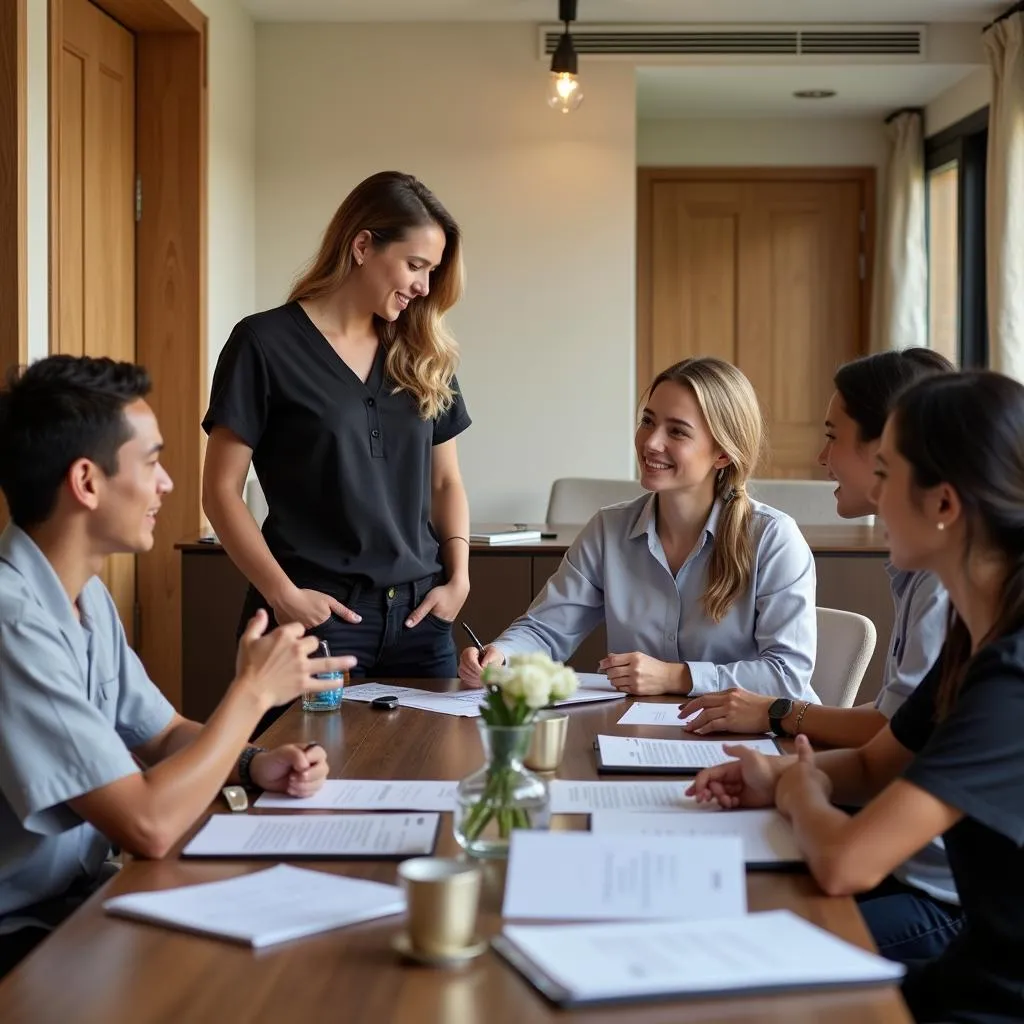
966,142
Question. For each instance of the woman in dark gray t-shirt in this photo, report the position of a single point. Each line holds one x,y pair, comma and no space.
951,761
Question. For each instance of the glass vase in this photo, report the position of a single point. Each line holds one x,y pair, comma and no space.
502,795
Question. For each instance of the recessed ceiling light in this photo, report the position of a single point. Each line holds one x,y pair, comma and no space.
814,94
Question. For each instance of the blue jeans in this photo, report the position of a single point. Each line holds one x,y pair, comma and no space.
382,644
906,923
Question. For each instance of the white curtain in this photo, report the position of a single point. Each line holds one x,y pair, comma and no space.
1004,221
900,303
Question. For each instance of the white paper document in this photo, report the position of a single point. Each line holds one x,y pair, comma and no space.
368,795
576,876
766,836
314,835
365,692
264,907
631,753
462,703
649,713
595,681
569,797
772,951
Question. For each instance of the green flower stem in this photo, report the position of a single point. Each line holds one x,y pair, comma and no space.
496,802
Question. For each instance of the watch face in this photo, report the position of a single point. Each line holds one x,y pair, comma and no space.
780,708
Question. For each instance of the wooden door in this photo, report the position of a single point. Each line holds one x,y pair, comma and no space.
767,274
93,210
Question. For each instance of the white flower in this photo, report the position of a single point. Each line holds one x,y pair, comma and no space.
563,683
532,679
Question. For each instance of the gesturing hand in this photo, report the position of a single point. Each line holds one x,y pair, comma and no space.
642,675
733,710
310,608
749,781
296,770
473,662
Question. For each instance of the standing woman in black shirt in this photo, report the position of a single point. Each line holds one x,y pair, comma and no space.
345,401
951,761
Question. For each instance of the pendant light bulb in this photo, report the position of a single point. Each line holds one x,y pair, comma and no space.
565,93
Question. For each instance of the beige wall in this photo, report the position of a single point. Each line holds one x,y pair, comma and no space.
546,203
968,95
761,142
231,171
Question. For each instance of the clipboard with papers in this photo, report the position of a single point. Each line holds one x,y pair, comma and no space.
633,755
602,964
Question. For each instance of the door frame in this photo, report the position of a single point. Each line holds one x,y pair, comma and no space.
648,177
13,183
170,283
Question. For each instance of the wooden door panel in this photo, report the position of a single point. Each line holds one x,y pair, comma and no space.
695,239
94,286
765,274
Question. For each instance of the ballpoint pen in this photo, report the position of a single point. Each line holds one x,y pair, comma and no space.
472,636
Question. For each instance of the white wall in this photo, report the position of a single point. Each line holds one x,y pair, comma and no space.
546,203
968,95
231,172
762,142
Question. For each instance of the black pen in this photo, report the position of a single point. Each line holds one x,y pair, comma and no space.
472,636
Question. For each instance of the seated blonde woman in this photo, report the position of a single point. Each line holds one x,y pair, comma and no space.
700,588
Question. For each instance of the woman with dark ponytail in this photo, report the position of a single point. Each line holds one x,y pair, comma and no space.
700,588
951,762
914,913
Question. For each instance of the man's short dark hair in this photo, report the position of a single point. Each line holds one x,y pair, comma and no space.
57,411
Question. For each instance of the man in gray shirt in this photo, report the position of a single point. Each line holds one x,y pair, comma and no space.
91,753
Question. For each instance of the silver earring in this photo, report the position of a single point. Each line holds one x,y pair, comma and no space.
940,526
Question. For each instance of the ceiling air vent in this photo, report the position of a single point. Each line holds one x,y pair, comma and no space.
863,43
763,41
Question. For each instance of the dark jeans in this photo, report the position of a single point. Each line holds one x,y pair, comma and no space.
47,915
906,923
382,644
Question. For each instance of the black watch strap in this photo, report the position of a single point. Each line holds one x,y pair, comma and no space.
777,711
244,762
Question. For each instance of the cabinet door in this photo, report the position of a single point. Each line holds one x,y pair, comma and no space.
213,592
500,591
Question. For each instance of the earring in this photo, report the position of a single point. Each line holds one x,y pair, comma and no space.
940,526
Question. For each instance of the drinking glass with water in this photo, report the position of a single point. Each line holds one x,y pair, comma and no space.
329,699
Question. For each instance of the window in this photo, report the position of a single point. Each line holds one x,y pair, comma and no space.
955,165
944,260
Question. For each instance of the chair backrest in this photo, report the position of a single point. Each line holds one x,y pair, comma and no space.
846,642
574,500
809,502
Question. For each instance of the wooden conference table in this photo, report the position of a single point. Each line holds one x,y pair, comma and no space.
96,968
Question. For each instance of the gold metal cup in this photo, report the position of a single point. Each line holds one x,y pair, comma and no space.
548,743
441,903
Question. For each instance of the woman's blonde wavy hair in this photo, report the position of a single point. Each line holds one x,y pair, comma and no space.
733,415
422,354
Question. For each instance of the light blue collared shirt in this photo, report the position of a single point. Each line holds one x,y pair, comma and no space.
616,570
918,633
74,702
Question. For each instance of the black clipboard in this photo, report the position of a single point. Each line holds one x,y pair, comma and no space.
564,998
290,856
649,769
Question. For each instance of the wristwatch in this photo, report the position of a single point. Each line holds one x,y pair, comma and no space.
777,711
243,765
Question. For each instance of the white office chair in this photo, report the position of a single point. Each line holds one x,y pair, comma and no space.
809,502
846,642
574,500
